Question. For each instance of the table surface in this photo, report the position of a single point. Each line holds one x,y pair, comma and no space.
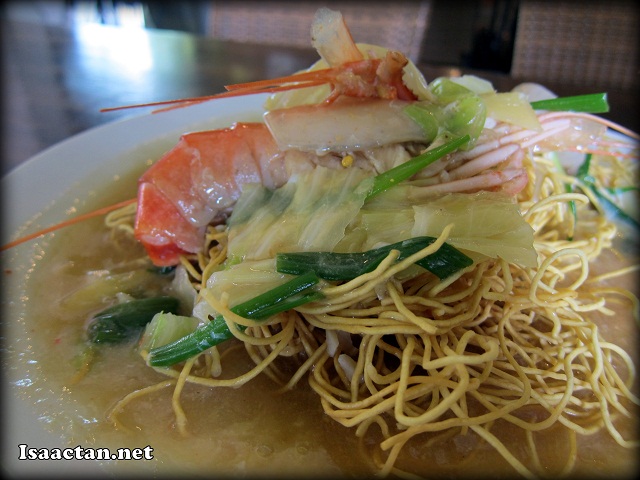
56,79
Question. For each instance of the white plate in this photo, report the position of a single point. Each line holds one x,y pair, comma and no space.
39,193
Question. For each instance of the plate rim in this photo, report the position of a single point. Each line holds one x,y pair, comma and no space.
25,198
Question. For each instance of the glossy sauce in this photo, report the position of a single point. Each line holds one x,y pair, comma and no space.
245,431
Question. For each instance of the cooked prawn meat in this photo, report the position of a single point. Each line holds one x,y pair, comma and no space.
198,180
363,119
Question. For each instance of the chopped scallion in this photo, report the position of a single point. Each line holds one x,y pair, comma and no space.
346,266
406,170
589,103
289,295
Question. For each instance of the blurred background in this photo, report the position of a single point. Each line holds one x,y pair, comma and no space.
570,46
585,42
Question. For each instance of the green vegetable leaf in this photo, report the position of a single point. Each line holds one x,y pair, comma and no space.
122,321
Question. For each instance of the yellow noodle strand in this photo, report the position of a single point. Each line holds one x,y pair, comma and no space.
432,359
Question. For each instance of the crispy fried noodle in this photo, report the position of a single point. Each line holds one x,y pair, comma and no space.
493,343
492,330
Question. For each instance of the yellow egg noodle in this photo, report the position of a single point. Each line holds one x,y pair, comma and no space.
505,365
493,343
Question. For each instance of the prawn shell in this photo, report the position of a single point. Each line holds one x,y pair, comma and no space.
161,228
197,182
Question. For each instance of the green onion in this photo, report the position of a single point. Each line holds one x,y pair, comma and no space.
452,111
289,295
346,266
583,169
617,190
590,103
406,170
122,321
613,210
425,116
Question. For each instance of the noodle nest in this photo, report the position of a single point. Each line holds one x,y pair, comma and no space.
429,359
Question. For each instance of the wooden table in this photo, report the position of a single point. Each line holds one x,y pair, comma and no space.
56,79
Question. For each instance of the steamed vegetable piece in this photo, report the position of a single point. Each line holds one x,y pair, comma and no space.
165,328
512,108
485,224
291,294
241,282
122,321
133,282
312,211
346,266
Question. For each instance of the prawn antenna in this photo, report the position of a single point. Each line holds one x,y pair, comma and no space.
66,223
274,85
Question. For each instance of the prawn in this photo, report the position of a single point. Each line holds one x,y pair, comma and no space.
349,72
198,181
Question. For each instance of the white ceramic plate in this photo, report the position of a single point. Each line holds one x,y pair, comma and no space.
40,193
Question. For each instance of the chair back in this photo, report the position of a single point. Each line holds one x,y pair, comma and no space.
592,43
399,25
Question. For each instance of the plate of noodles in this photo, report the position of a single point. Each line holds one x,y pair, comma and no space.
434,279
33,201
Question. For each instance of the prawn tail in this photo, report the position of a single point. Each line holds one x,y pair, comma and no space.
158,226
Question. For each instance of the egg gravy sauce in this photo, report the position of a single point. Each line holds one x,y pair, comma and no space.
248,431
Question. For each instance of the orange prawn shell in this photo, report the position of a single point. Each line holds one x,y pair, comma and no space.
197,182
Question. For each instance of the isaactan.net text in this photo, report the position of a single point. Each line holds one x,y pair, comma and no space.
25,452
